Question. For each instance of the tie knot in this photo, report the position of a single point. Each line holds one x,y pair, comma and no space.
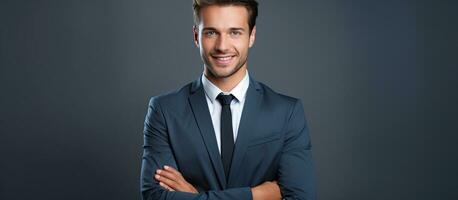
225,99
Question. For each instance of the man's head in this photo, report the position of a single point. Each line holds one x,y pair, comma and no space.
224,31
250,5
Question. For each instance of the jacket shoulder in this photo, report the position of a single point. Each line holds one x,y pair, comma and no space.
278,98
172,98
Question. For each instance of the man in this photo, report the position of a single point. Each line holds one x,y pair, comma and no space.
226,136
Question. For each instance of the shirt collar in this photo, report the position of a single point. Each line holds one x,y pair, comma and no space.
239,91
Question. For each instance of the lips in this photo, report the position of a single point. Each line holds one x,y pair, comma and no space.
223,59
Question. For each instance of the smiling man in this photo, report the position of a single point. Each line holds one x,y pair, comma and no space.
225,135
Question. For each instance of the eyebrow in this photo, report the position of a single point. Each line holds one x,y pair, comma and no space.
214,29
237,29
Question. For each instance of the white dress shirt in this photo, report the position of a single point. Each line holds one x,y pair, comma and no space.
214,106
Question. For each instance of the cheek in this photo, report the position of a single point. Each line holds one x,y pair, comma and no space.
241,47
242,44
207,44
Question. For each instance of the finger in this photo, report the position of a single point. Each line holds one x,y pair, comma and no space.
172,184
173,170
167,174
166,186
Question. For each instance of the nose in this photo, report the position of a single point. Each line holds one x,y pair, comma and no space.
222,43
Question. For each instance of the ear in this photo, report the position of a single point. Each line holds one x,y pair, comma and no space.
252,36
195,32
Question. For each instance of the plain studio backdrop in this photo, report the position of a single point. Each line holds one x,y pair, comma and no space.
377,78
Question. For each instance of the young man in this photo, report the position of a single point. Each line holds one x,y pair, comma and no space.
226,136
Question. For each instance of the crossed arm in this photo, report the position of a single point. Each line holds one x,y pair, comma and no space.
160,182
172,180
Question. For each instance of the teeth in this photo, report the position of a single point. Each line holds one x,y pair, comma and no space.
224,58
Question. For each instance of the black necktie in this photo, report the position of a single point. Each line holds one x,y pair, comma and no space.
227,138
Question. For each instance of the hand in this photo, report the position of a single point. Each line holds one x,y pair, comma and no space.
172,180
266,191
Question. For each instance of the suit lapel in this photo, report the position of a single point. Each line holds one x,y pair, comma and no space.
199,107
245,131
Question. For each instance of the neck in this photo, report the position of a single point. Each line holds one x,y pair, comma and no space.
226,84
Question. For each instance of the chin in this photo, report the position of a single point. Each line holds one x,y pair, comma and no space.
223,71
223,74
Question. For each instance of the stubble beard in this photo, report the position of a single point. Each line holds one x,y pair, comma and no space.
210,72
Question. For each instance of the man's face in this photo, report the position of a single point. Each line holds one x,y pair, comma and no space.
223,38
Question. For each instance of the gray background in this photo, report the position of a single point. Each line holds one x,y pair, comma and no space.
377,78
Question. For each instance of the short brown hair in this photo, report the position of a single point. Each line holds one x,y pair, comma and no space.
250,5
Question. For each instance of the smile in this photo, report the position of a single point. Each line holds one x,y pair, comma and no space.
223,59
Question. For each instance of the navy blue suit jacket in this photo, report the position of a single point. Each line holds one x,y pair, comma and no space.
272,144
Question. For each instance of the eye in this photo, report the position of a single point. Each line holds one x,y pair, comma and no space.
236,33
210,33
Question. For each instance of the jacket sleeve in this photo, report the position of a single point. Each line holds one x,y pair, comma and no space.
157,153
296,172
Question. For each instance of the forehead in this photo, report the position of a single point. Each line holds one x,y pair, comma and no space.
224,16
